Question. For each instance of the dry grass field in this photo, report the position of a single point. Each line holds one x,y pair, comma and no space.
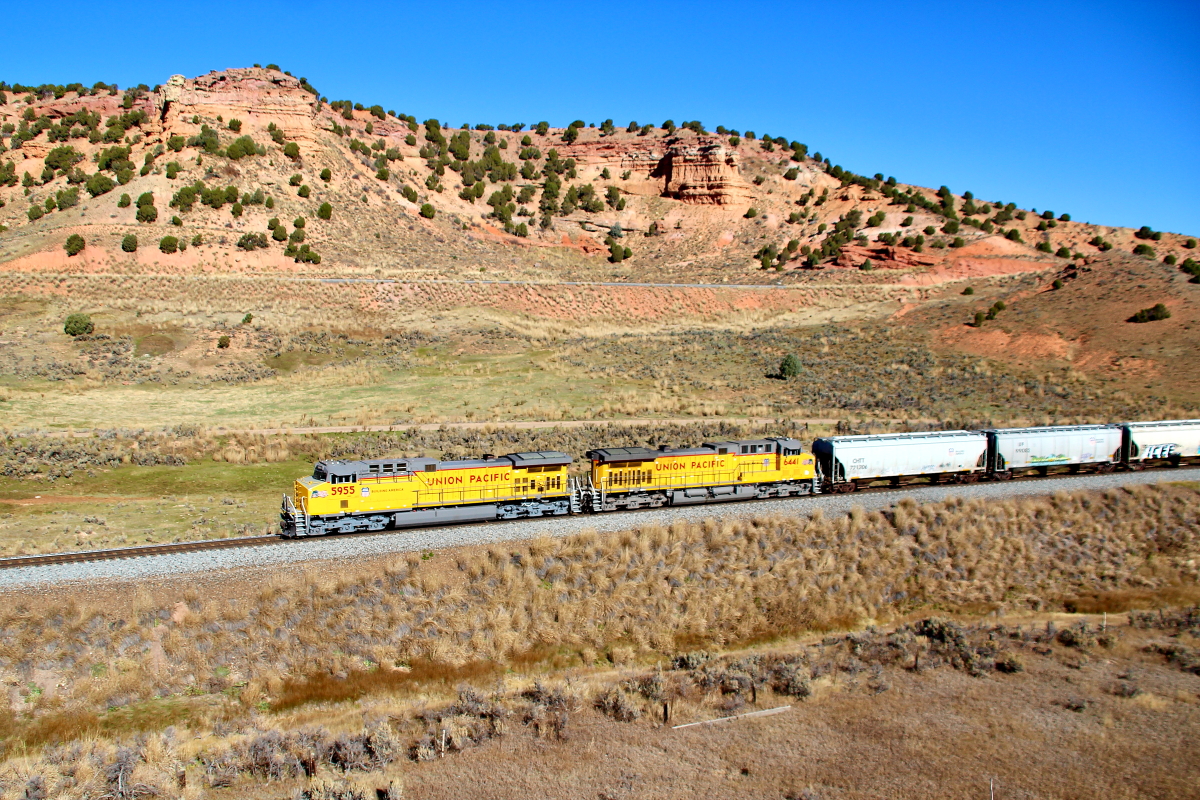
353,678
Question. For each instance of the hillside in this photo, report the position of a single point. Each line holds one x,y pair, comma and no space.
244,191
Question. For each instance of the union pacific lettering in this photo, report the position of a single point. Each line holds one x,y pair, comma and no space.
472,477
444,480
695,463
488,477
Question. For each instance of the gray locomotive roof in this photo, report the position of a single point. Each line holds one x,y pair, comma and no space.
545,458
615,454
608,454
542,458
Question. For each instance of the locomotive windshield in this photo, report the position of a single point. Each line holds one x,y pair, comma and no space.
318,474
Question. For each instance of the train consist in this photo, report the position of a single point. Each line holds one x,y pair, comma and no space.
392,493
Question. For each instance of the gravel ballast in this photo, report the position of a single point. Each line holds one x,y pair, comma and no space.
423,539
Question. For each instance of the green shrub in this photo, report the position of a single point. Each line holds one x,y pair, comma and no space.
78,325
35,212
270,203
1014,235
1190,244
751,213
383,174
99,184
410,194
246,320
979,318
279,233
235,125
124,202
958,242
428,211
168,244
291,150
241,147
866,266
1063,252
906,222
326,175
1043,247
951,227
63,158
1058,284
147,213
130,243
1156,312
252,241
970,290
1144,250
326,210
236,210
74,244
304,191
223,342
299,222
295,180
790,367
197,240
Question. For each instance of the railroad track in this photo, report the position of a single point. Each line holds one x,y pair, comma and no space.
261,541
136,552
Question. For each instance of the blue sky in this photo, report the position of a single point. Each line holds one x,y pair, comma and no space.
1087,108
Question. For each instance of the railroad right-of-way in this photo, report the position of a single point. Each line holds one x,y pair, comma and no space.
359,546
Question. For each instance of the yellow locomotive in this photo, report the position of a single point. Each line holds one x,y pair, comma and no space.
382,493
375,494
638,477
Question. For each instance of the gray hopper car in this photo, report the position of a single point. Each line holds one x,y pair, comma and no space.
1173,441
1073,446
849,461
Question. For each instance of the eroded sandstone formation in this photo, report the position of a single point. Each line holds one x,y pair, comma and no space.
703,171
261,95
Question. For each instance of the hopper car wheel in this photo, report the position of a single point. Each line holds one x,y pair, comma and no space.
1006,475
1105,468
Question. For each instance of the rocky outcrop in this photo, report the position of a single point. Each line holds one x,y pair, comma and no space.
702,171
881,257
256,96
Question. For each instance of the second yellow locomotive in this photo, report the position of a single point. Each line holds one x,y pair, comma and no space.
638,477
